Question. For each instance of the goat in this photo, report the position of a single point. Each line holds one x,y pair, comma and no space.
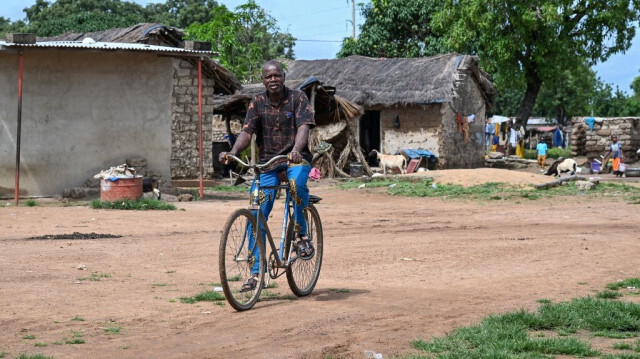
562,165
391,161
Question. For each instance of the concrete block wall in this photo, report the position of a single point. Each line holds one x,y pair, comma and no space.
184,122
596,142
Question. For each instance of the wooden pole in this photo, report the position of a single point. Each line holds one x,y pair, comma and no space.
19,125
201,159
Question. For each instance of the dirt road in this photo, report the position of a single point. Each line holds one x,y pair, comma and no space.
395,269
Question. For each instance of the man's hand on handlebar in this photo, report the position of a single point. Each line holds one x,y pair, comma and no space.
223,157
295,157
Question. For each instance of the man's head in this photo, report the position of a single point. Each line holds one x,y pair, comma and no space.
614,138
273,77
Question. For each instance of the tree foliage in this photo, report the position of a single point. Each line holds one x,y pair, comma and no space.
49,19
534,42
245,39
396,28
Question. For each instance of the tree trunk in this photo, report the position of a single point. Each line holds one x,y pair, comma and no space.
529,100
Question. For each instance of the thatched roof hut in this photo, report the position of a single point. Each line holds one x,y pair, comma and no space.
434,103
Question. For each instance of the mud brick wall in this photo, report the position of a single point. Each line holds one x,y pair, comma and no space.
593,143
184,122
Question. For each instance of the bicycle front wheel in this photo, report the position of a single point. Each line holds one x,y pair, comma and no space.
239,252
302,274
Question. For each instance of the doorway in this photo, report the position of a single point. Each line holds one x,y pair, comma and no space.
370,135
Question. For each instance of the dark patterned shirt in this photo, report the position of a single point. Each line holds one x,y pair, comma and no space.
276,126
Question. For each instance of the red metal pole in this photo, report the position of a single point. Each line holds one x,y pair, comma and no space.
200,124
17,178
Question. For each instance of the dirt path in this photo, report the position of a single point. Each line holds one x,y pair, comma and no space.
395,269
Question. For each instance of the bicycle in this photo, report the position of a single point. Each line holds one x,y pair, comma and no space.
237,254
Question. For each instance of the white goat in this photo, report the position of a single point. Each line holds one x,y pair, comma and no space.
391,161
562,165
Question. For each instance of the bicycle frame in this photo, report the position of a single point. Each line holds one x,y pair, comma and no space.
262,227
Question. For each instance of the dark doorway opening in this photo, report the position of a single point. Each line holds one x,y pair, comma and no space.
370,135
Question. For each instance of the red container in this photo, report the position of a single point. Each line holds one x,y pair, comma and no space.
122,188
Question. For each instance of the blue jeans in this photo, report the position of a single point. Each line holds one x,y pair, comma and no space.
297,176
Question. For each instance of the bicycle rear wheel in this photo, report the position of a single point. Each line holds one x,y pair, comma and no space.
236,259
302,275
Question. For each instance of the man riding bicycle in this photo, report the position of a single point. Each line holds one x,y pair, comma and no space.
281,118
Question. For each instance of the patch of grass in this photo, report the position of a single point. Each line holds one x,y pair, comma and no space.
206,296
512,335
615,335
170,271
158,284
95,277
29,337
235,278
125,347
39,344
112,328
608,294
78,319
31,203
627,283
141,204
490,191
621,346
31,356
76,338
3,354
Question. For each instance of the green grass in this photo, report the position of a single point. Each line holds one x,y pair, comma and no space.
142,204
520,334
95,277
78,319
76,338
40,345
112,328
206,296
627,283
29,337
490,191
31,203
31,356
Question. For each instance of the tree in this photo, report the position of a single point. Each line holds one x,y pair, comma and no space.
534,41
180,13
396,28
244,39
46,19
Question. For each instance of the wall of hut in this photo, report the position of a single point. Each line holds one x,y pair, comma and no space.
459,147
82,112
596,142
184,121
419,128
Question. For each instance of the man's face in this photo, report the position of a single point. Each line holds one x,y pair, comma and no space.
273,79
614,139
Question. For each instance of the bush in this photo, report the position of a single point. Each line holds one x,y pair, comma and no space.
558,152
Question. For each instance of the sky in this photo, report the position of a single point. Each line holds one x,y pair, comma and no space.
320,27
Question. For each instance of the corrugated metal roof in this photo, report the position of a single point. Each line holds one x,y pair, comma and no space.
118,46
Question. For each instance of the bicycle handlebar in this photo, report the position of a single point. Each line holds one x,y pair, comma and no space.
276,158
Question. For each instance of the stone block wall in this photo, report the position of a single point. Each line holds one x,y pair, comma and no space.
184,122
593,143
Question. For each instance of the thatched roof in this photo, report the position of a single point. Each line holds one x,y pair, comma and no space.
325,100
160,35
397,81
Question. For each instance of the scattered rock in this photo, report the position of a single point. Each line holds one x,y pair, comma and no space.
185,197
585,185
